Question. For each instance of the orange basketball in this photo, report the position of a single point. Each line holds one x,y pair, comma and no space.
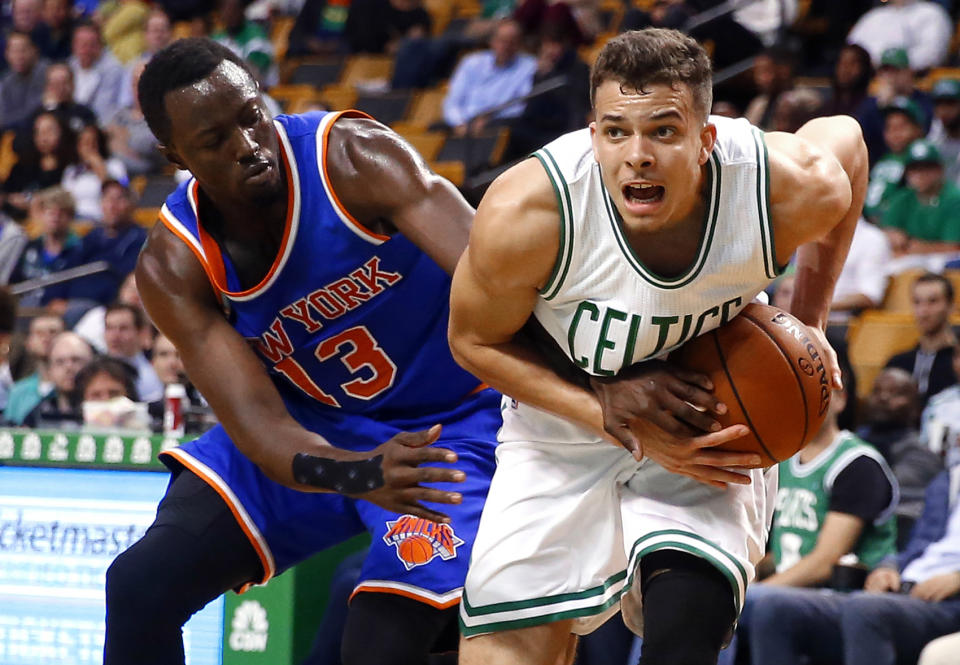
415,549
770,373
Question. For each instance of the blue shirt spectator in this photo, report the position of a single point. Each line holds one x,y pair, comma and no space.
483,80
117,241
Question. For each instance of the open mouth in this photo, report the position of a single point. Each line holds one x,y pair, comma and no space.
643,194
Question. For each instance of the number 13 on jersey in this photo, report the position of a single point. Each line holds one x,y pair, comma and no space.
360,353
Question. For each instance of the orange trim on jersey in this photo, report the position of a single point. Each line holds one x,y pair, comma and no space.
212,249
187,461
376,588
480,388
326,176
188,241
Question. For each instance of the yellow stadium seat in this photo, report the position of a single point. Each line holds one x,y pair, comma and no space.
873,338
425,109
362,68
428,144
899,295
452,171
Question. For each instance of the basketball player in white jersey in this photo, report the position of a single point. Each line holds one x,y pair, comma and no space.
622,241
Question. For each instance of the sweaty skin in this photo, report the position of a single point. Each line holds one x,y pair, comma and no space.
221,131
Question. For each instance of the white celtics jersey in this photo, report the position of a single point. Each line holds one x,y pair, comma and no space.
607,310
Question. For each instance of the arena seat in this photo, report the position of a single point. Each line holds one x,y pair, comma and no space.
898,297
873,338
317,72
360,69
426,109
428,144
155,190
453,171
387,107
475,152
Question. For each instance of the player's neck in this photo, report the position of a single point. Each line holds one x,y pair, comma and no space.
827,434
670,251
247,220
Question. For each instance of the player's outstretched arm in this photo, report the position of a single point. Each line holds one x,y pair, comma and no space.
381,179
180,301
818,182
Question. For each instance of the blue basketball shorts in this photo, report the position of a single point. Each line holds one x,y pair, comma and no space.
409,556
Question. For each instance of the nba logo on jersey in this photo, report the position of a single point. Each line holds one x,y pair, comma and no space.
419,541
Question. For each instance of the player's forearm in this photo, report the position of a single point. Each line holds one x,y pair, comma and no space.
520,371
819,263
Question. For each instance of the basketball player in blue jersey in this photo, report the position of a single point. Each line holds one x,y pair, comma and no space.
303,274
623,241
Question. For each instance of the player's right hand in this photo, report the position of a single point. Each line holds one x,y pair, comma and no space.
402,491
882,579
694,456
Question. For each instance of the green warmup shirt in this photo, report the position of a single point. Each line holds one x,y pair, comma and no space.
803,502
936,220
885,177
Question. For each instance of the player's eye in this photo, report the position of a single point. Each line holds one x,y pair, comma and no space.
615,132
666,131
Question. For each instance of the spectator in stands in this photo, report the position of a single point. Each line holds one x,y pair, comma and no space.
105,379
58,30
836,497
659,14
319,28
894,78
123,24
27,392
13,239
726,109
8,322
486,79
940,420
890,425
25,17
166,361
945,130
41,165
924,216
131,141
772,76
21,88
559,111
95,166
60,407
98,77
123,333
923,29
58,98
157,33
862,282
248,40
851,79
930,361
909,600
117,241
903,124
91,325
378,26
55,249
794,108
576,20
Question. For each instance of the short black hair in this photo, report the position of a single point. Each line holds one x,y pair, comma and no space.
182,63
138,318
122,372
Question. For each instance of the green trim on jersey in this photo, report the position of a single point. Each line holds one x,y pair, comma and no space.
565,208
602,597
710,225
763,206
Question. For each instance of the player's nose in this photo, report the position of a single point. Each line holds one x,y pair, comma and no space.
639,154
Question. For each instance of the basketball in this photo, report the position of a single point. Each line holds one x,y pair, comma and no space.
771,375
415,549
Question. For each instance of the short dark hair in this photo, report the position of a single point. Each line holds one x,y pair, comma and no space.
182,63
638,58
138,319
117,369
930,277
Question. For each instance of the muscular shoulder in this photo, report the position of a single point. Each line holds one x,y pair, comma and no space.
516,232
168,270
809,185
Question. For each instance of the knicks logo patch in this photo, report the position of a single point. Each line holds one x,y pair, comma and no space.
419,541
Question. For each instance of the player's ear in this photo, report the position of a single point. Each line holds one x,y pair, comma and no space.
172,156
593,138
708,137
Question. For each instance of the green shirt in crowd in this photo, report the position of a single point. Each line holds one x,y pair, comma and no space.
885,177
934,220
803,501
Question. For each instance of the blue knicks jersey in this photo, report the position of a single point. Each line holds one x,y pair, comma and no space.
346,319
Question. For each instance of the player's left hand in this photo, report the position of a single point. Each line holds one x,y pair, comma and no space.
937,588
830,361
